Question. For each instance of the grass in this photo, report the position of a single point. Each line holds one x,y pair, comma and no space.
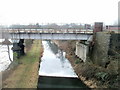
26,74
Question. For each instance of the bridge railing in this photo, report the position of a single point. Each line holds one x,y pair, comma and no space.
49,30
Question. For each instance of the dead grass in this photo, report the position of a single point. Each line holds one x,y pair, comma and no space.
91,74
26,74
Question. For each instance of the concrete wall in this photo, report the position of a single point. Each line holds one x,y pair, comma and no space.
100,49
104,47
114,47
81,51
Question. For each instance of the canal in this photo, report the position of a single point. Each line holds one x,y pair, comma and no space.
55,70
4,57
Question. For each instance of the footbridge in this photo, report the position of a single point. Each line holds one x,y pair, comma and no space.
47,34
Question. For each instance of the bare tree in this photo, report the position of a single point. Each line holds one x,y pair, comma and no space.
9,53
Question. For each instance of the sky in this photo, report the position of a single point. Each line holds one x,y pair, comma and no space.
58,11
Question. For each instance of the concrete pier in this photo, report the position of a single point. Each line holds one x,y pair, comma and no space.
106,46
82,50
18,47
21,45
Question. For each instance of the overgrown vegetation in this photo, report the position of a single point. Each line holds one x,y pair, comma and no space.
78,61
28,44
92,74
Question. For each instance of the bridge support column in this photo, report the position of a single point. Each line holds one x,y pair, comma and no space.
18,47
21,45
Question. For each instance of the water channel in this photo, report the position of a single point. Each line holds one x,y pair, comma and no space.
4,58
55,70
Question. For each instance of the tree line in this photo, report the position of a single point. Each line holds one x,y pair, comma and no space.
52,26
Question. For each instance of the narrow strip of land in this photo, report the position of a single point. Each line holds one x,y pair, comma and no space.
26,73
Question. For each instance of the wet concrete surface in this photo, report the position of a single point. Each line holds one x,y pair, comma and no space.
60,82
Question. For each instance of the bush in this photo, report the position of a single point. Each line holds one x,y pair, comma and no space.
102,76
77,61
15,55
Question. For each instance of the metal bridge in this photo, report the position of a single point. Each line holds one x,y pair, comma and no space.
47,34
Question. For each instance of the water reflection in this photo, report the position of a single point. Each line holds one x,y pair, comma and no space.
53,47
54,63
57,51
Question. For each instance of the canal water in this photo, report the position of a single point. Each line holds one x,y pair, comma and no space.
55,70
4,58
54,63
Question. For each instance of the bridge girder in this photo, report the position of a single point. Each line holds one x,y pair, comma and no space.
50,36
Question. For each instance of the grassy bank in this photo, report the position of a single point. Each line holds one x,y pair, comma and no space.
93,75
25,74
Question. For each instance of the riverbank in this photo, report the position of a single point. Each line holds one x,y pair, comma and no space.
91,74
25,75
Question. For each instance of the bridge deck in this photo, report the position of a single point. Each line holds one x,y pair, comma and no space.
61,34
49,31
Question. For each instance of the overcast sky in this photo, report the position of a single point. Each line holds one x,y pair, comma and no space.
58,11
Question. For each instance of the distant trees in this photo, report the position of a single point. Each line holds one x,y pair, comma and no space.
49,26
